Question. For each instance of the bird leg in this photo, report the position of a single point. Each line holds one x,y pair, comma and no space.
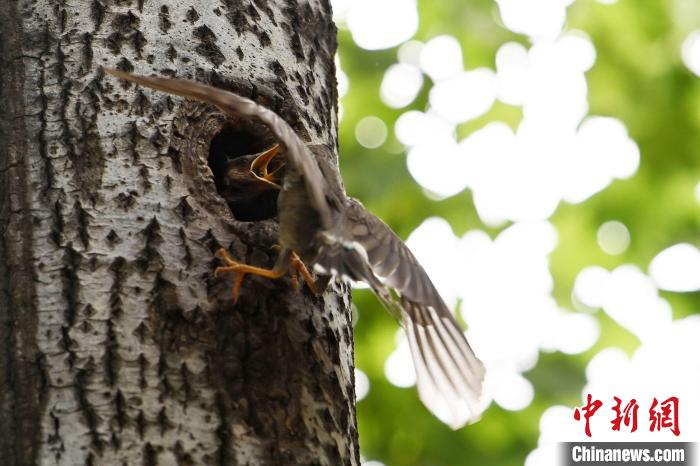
261,163
286,262
298,267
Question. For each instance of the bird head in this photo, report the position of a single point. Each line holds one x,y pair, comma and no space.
248,197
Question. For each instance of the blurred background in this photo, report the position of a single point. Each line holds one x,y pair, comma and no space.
542,159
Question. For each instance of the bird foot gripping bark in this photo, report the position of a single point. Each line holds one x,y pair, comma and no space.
296,268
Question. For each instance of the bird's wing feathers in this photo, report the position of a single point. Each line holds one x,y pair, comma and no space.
389,257
448,374
297,155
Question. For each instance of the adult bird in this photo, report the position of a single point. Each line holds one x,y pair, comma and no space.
319,225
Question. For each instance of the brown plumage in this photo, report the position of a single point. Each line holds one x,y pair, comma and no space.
339,237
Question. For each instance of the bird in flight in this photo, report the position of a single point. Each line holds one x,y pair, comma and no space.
320,226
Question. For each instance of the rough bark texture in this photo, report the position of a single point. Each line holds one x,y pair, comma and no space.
117,344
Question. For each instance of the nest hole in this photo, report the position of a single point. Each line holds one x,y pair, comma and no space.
234,147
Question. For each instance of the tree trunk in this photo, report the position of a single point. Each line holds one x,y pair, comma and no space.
118,344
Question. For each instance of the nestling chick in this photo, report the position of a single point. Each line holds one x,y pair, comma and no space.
251,196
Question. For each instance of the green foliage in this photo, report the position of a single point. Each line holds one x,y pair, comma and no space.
639,78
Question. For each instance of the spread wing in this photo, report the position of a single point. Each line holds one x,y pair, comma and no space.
448,374
297,155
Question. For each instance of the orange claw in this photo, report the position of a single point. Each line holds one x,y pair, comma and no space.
297,266
240,271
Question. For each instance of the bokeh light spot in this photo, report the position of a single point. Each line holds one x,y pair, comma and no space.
438,167
371,132
414,128
409,52
384,24
577,51
575,333
465,96
589,287
361,384
538,19
509,389
441,57
398,367
677,268
690,52
400,85
613,237
512,65
340,9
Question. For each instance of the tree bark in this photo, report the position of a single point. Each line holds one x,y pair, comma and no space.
118,344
